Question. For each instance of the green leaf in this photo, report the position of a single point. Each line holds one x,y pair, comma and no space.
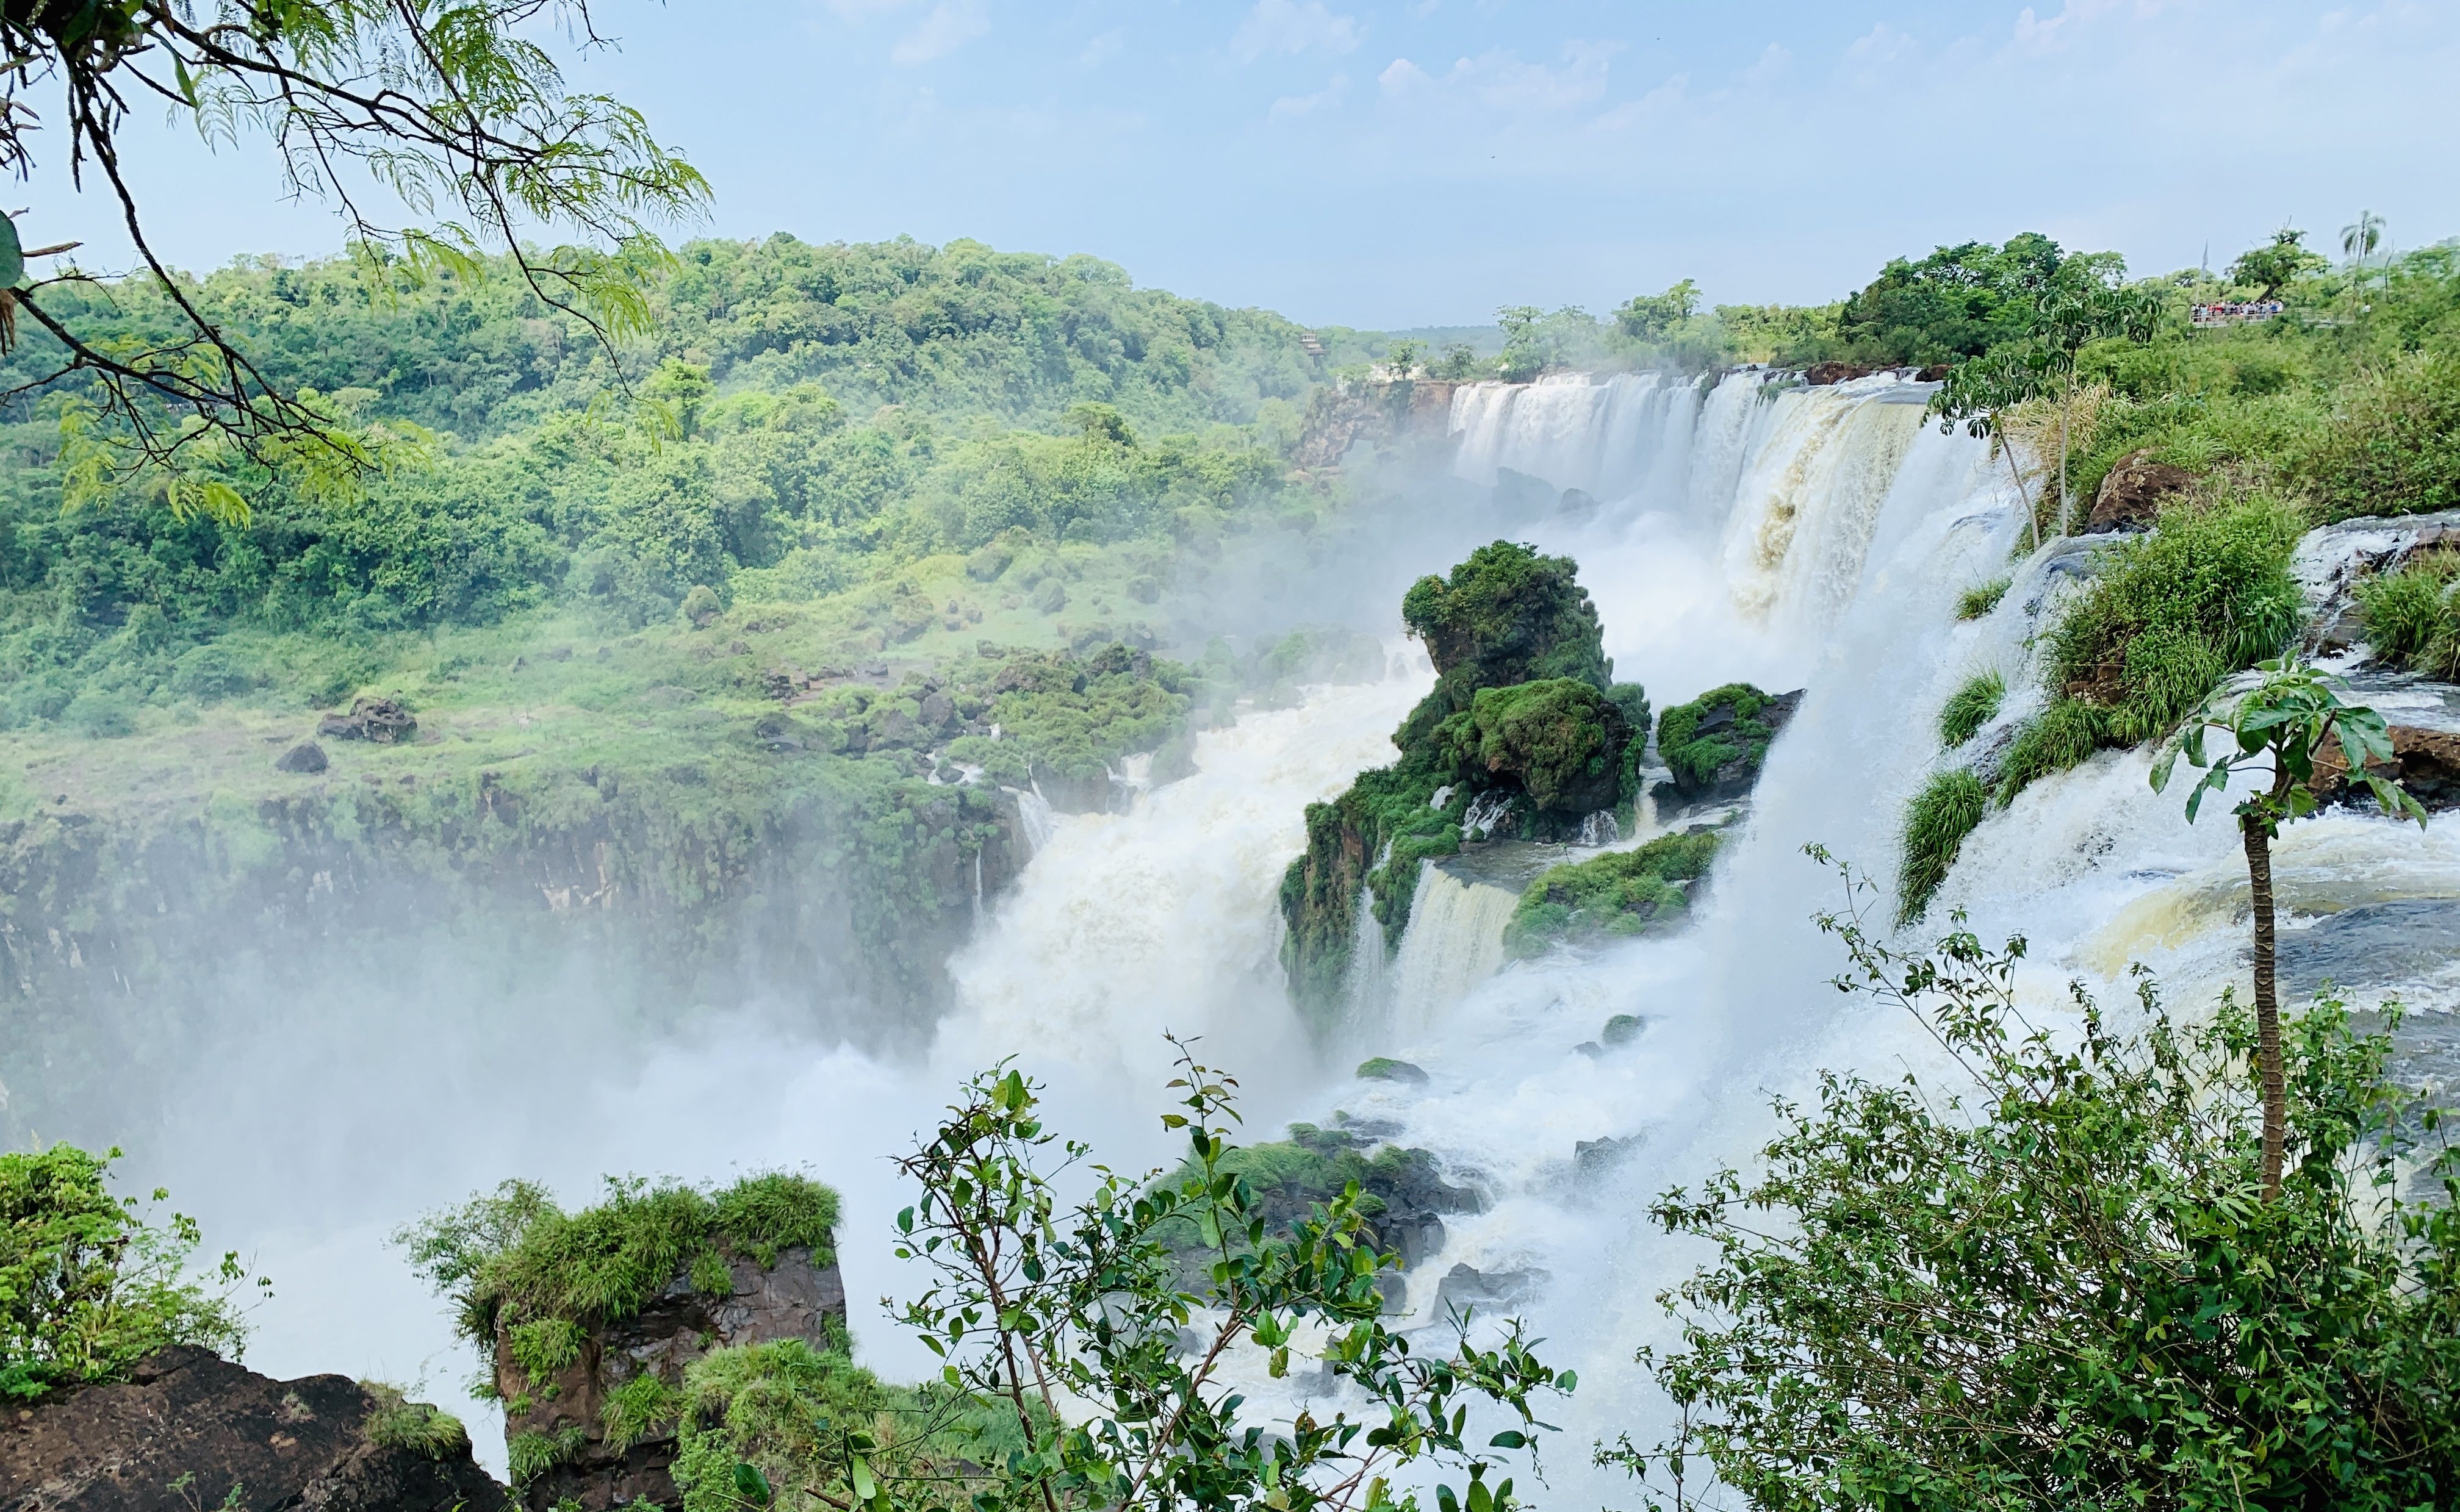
751,1485
1509,1438
13,254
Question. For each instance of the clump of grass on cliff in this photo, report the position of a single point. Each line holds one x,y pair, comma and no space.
1936,821
2170,616
420,1427
1970,707
2413,615
516,1264
1612,896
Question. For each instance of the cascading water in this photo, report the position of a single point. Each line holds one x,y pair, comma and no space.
1454,940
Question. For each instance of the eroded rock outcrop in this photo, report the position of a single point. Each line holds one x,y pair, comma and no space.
1715,744
190,1430
2133,492
572,1419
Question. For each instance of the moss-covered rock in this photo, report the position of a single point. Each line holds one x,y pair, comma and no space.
1525,704
1508,614
1715,744
1561,741
592,1321
1612,896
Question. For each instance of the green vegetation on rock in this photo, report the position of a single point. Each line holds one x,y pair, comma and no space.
519,1269
1505,615
2166,619
1971,706
2413,615
90,1285
1525,703
1720,729
1977,601
420,1427
1607,897
1561,741
1936,820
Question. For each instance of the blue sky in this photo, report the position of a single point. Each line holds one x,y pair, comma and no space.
1422,162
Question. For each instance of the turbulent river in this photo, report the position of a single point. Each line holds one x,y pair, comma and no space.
1812,538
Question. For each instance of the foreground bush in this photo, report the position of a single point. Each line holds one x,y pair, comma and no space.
88,1285
2059,1287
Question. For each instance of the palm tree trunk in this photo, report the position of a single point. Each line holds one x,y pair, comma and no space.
2267,1003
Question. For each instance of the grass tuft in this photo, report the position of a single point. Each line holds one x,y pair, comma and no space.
1970,707
2413,615
419,1427
1936,822
1978,600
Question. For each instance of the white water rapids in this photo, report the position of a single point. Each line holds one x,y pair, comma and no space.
1811,538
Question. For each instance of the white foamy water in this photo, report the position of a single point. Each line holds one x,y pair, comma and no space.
1454,940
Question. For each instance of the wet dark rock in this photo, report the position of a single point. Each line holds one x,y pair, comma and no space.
306,759
189,1427
1464,1287
1821,374
1590,1048
1622,1029
379,720
1594,1159
938,710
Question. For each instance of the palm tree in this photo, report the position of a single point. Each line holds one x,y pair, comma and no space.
2360,237
2286,718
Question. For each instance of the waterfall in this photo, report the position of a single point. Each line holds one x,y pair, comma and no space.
1795,537
1454,942
1033,815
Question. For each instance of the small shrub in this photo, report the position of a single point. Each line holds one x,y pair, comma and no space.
97,715
2413,615
419,1427
1977,601
2062,1287
209,674
1936,821
1970,707
2393,446
87,1286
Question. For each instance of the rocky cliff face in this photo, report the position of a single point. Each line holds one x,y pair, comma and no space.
193,1431
124,941
566,1420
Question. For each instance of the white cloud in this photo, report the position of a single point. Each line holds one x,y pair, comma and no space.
1504,82
1403,77
860,10
1102,49
1283,26
950,26
1290,107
